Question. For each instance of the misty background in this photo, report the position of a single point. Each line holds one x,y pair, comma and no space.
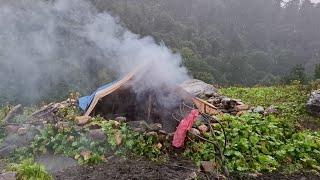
49,48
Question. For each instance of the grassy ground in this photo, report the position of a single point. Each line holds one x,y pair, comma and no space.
287,141
289,100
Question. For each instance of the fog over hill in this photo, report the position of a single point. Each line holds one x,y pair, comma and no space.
49,48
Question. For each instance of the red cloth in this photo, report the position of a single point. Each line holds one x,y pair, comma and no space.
184,126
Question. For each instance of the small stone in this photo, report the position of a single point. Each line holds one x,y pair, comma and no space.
242,107
11,129
56,162
203,128
195,131
271,110
198,88
209,92
152,133
225,102
214,100
259,109
232,103
155,127
82,120
97,135
162,132
8,176
139,130
22,131
313,104
207,166
239,102
5,151
121,119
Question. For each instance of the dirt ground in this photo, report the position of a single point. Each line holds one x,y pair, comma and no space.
125,169
119,168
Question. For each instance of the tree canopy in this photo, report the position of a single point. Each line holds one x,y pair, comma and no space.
244,42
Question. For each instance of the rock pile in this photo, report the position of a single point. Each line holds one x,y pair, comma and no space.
313,104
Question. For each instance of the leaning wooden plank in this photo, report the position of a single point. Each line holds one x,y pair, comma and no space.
109,90
205,107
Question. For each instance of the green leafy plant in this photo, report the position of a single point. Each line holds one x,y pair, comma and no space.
69,142
120,139
257,143
131,142
29,170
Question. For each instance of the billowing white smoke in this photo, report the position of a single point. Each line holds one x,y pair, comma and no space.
44,43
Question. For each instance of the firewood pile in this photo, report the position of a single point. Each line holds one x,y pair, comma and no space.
209,94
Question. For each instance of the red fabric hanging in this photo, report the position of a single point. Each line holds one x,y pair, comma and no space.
184,126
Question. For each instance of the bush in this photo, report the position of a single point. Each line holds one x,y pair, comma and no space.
28,169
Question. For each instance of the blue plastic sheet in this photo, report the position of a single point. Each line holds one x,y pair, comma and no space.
84,102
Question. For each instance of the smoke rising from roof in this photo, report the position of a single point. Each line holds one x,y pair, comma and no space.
43,44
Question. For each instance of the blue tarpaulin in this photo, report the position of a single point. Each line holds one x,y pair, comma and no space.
84,102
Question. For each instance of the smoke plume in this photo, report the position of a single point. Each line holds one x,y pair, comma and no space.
49,47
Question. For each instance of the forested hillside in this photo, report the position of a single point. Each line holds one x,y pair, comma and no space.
243,42
223,42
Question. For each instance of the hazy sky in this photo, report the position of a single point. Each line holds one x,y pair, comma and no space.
311,0
315,1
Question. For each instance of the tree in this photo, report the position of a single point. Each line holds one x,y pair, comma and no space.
296,73
197,67
317,72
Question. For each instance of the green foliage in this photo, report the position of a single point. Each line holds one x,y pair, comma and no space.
257,143
271,38
265,143
29,170
69,142
132,142
289,100
198,68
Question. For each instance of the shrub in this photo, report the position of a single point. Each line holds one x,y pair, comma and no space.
28,169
